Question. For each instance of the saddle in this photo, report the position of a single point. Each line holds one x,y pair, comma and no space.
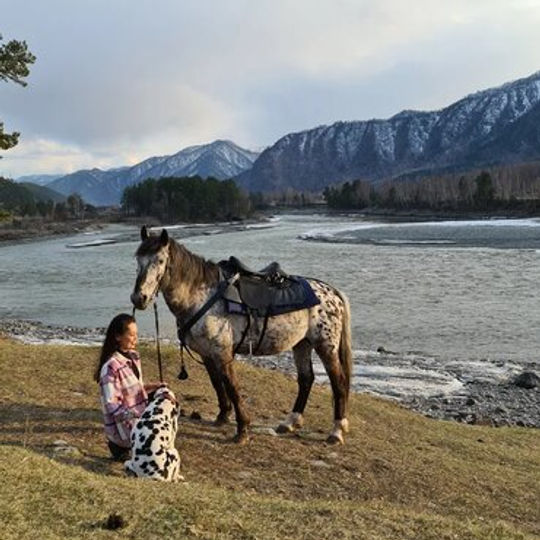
266,292
271,273
263,293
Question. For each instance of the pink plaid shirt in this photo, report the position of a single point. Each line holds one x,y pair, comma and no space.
123,397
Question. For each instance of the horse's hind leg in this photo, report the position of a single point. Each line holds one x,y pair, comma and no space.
330,358
217,382
304,367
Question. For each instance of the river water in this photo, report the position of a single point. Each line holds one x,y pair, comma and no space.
453,300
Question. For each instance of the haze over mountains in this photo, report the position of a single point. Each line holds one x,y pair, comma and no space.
496,126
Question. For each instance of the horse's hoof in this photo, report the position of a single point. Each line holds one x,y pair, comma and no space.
284,428
221,421
241,438
334,439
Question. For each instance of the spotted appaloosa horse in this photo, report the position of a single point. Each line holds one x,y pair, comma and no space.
187,280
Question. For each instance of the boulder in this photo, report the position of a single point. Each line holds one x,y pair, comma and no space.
527,379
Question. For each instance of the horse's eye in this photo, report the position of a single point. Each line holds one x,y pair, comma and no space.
161,261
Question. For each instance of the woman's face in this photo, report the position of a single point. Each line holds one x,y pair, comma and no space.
128,340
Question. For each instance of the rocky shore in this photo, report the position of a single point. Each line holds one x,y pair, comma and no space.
486,393
515,402
37,333
483,393
34,229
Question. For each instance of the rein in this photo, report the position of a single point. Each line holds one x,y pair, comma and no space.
157,341
158,348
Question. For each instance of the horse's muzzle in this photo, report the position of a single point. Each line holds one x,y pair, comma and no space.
139,300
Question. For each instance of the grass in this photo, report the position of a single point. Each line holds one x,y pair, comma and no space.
399,475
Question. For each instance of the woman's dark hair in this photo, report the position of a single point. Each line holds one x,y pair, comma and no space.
116,328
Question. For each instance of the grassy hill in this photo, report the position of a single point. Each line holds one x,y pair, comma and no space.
399,475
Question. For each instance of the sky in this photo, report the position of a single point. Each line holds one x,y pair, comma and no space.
118,81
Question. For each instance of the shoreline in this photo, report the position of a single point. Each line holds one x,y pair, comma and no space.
35,231
44,230
470,398
28,230
413,215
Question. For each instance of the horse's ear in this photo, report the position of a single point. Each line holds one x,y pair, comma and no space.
144,233
164,238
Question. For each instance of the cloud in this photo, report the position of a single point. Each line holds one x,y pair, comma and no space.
126,80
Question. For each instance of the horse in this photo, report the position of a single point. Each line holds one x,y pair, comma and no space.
187,280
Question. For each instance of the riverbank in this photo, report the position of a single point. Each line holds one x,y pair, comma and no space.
391,215
479,395
34,229
27,230
399,475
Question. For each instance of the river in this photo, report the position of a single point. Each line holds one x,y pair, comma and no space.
454,300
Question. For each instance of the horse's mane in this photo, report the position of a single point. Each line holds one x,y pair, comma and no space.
193,270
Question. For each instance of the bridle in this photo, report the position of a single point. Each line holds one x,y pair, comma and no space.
157,339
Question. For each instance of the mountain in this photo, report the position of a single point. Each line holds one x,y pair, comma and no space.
219,159
39,179
97,187
496,126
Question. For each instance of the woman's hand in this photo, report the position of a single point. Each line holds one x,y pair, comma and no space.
153,386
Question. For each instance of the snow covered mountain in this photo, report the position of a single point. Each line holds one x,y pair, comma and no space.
495,126
219,159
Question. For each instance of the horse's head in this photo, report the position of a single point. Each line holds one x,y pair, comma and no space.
152,258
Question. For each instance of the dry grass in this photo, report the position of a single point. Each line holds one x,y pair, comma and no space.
398,476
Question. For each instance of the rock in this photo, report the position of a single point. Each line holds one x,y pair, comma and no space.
66,450
527,379
470,401
265,431
382,350
319,463
60,442
113,522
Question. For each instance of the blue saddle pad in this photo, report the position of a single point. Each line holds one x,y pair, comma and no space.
293,298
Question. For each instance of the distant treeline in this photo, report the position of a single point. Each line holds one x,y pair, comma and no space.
502,188
186,199
29,200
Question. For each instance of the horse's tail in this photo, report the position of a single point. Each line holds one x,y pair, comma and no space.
345,343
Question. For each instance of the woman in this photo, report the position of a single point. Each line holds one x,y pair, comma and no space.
124,396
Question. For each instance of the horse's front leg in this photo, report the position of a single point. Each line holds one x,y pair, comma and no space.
233,392
214,372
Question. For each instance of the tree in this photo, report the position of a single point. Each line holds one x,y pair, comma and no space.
14,61
75,205
485,192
